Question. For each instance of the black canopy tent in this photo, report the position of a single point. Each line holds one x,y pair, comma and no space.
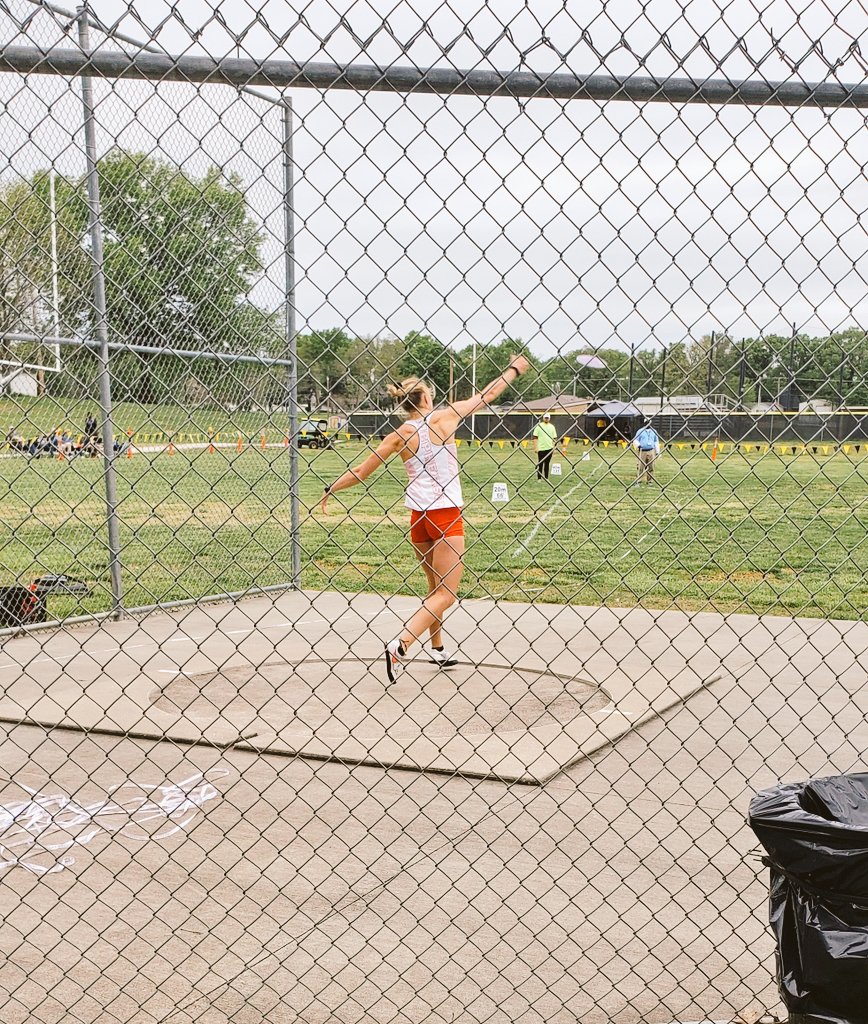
612,421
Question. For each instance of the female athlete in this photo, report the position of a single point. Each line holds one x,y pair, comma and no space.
426,444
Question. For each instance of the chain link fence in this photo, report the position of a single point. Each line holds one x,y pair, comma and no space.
227,233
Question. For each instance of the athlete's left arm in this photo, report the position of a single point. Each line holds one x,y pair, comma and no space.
385,450
445,421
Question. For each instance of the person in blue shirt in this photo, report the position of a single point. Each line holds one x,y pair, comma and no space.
647,445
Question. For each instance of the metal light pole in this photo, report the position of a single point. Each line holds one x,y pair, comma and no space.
101,322
55,267
791,403
473,386
663,378
630,373
710,368
291,340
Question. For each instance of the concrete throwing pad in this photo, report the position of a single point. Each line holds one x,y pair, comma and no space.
302,675
484,720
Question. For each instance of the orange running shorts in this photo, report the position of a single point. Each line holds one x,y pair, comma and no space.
435,524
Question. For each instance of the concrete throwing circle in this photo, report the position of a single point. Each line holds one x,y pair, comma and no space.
351,696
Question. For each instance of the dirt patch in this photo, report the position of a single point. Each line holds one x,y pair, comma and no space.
745,576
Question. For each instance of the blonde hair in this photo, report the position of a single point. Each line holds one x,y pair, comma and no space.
410,392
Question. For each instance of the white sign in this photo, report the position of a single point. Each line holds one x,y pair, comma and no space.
499,492
586,457
556,469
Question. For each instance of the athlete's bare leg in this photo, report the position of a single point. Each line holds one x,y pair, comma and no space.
423,553
445,559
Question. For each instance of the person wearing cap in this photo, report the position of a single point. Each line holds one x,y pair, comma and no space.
647,446
544,438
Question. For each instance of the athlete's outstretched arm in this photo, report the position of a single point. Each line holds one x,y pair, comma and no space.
518,365
385,450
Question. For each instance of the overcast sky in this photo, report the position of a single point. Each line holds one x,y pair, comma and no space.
561,223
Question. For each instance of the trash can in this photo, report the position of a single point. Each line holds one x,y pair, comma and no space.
816,837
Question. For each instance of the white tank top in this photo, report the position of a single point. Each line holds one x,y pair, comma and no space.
433,472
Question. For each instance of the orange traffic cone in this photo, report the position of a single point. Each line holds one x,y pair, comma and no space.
238,446
210,441
262,442
171,448
286,442
129,444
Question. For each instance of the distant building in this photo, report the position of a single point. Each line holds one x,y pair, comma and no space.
557,405
682,405
656,407
761,408
816,407
20,382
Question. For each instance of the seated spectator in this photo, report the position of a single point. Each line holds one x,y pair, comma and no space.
91,438
15,442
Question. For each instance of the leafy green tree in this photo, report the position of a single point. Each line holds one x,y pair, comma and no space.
832,368
566,374
371,364
323,366
181,254
491,360
429,359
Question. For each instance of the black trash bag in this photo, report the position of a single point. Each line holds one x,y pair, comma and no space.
816,837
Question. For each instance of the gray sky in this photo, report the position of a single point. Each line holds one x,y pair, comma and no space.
562,223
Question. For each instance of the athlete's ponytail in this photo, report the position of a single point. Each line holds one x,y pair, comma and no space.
410,393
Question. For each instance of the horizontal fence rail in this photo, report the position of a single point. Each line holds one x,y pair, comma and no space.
148,350
281,74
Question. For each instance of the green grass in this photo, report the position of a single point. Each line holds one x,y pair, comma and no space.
751,533
32,417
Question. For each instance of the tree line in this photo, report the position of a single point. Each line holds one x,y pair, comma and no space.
182,254
337,369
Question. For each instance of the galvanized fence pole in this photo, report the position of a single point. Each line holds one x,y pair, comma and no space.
291,339
101,323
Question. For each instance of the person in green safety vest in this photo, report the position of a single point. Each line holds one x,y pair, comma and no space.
544,438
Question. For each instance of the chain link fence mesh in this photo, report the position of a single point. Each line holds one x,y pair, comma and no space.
215,805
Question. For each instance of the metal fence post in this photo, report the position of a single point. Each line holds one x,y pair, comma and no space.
291,339
100,322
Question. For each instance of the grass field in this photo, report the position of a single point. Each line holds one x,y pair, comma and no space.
32,417
758,533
